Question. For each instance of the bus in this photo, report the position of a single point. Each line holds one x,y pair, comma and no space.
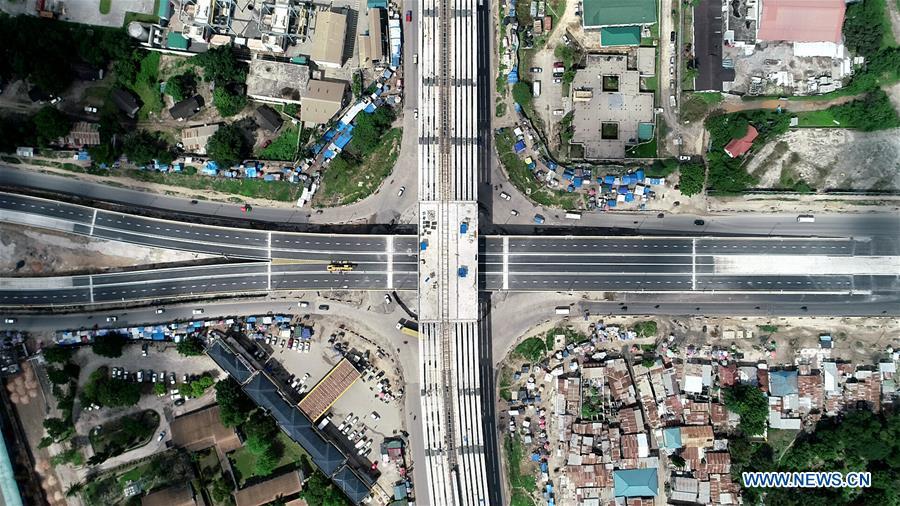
408,327
340,267
806,218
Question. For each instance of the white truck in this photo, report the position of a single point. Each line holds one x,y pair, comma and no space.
536,89
562,310
573,215
806,218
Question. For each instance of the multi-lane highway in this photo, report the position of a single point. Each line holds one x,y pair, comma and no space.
273,261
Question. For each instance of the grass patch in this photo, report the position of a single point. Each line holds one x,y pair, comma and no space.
143,17
11,159
146,85
125,433
649,83
345,183
645,329
644,150
771,329
244,461
519,498
780,440
281,191
105,5
697,105
284,147
515,453
532,349
817,119
500,109
523,179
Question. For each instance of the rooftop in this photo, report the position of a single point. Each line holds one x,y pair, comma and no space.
328,40
323,99
327,391
801,20
599,13
263,493
281,82
202,429
738,147
177,495
635,482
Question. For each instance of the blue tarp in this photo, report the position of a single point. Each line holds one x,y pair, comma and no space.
640,174
611,202
610,180
520,146
629,197
535,457
570,188
513,76
551,165
370,108
343,140
328,154
463,271
306,332
329,135
250,172
423,246
463,227
578,182
269,177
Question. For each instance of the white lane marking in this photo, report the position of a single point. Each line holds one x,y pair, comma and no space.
506,263
694,264
93,220
390,261
91,281
269,245
269,275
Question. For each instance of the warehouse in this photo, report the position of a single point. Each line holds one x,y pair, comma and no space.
602,13
801,20
328,40
322,100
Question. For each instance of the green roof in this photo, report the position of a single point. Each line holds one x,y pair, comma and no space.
599,13
620,36
645,131
176,41
635,482
377,4
165,9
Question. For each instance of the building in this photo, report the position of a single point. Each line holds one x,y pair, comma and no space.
737,147
635,482
323,99
329,389
82,134
602,13
125,101
801,20
268,118
328,40
202,429
611,112
277,82
282,486
195,138
177,495
187,108
376,35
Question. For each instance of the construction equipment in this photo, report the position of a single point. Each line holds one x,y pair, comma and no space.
340,266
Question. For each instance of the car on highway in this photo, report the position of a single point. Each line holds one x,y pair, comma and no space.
9,321
672,71
193,202
111,318
408,16
671,60
90,110
402,189
197,311
303,304
514,212
246,208
557,80
415,58
660,215
699,223
505,196
160,310
538,219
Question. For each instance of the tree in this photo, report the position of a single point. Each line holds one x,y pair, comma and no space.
320,491
142,147
266,463
51,124
106,391
227,102
190,346
57,354
200,386
522,94
692,179
220,65
864,26
873,112
356,86
159,388
750,403
234,405
109,345
228,145
57,376
58,429
181,86
678,461
370,128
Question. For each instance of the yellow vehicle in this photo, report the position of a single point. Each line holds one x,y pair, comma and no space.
340,267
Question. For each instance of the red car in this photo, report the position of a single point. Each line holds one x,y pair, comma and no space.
246,208
408,16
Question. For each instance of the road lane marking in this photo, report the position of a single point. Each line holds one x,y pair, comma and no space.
93,221
506,263
389,244
693,264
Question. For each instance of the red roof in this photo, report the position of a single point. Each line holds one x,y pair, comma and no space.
801,20
738,147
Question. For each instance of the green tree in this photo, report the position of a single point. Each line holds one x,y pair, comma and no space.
106,391
234,405
227,102
190,346
159,388
522,94
51,124
678,461
142,147
57,376
370,128
181,86
356,86
864,26
228,145
58,429
750,403
692,179
57,354
109,345
320,491
200,386
873,112
220,65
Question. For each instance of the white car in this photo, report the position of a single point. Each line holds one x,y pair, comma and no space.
402,188
161,436
306,347
197,311
306,377
9,321
303,304
111,318
514,212
375,416
140,376
160,310
505,196
387,298
90,110
416,113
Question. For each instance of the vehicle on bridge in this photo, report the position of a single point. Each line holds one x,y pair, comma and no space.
806,218
343,266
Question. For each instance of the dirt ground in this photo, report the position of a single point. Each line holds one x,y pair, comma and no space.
832,158
762,63
26,251
858,340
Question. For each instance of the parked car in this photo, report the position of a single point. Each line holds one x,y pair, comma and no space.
387,298
144,349
671,60
179,401
375,416
323,307
566,40
514,212
672,36
171,378
536,70
306,346
557,80
90,110
402,188
699,223
505,196
140,376
283,342
538,219
303,304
